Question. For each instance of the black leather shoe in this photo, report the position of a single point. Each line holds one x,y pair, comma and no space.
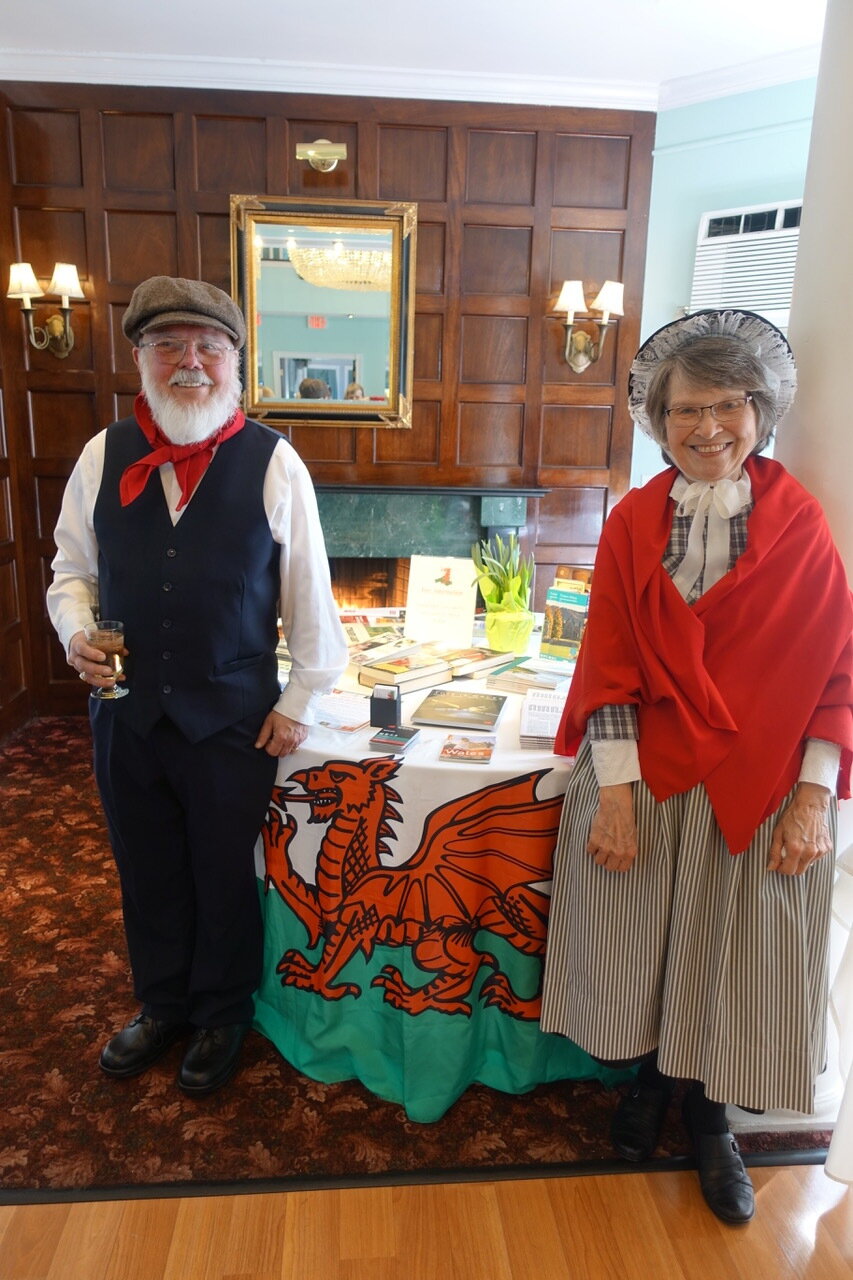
725,1183
638,1120
212,1058
139,1045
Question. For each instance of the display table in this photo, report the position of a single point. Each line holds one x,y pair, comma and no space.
405,904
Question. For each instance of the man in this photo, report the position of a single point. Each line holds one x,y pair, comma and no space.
197,529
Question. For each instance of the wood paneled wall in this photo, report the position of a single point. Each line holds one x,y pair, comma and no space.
132,182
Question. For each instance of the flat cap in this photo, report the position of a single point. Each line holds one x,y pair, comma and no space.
163,300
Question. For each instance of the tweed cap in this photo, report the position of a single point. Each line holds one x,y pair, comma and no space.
163,300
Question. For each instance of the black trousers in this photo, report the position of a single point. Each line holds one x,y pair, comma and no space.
183,819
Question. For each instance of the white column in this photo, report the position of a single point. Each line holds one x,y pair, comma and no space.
815,440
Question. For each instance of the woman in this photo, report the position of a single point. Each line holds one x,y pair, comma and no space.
712,717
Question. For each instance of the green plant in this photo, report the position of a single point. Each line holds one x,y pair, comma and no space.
504,576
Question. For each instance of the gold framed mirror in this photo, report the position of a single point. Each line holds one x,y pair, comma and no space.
330,285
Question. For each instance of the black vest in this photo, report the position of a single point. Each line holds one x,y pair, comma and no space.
199,599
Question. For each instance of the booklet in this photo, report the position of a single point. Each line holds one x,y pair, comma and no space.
393,740
460,710
458,746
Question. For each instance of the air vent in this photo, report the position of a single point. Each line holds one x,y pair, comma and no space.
746,258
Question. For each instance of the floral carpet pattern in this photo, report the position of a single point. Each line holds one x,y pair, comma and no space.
65,988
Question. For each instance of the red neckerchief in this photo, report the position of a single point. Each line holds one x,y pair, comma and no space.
728,688
190,460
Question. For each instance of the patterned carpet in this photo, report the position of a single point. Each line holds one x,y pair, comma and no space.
65,988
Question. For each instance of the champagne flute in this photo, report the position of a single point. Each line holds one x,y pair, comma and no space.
108,636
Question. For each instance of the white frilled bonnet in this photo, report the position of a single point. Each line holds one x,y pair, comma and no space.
767,342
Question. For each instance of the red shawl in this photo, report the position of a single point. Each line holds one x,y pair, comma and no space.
726,689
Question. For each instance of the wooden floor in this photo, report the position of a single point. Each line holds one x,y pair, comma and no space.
624,1227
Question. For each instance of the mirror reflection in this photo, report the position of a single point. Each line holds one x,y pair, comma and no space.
331,289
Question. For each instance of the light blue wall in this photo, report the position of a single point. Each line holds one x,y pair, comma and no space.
741,150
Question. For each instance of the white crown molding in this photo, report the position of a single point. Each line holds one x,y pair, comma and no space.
278,76
763,73
323,78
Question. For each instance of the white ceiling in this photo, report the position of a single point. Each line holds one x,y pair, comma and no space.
641,54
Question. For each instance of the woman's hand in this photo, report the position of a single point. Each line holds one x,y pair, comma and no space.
613,834
801,835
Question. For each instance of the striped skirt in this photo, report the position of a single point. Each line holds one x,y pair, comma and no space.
716,962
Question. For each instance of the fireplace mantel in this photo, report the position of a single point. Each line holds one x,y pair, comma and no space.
364,521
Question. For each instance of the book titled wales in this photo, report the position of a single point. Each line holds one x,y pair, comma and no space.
456,709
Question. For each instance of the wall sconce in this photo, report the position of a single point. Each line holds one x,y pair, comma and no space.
57,334
322,155
583,348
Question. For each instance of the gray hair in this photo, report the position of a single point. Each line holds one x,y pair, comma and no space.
714,361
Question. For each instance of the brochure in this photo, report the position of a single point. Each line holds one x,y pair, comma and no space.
459,747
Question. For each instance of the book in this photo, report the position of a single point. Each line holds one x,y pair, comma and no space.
410,685
457,709
386,644
566,609
394,740
344,712
541,711
458,746
521,675
400,668
471,661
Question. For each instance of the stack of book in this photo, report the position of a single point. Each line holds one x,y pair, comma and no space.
408,671
540,718
522,674
469,662
566,609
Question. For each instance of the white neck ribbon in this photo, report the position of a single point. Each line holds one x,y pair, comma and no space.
714,504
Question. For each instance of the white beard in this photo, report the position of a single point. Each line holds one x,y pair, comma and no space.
190,423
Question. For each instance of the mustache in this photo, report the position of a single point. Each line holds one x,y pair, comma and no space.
190,378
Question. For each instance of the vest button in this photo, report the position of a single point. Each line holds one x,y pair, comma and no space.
167,586
167,622
167,688
166,654
171,552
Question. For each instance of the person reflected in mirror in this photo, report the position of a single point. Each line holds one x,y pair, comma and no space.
314,389
199,529
354,391
711,717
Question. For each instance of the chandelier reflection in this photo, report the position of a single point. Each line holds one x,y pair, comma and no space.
337,267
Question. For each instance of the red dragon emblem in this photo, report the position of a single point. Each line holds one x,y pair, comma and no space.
478,865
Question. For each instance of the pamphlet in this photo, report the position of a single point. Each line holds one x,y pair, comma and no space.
459,747
441,599
541,711
344,712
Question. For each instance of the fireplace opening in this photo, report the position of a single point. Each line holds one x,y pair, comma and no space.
369,582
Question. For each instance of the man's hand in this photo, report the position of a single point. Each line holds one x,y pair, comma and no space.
280,735
90,664
613,834
801,835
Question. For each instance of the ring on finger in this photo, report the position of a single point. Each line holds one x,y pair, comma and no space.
83,675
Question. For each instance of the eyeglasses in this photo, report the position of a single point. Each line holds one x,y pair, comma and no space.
724,411
172,350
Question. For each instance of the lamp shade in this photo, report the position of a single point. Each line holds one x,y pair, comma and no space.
571,297
22,282
610,298
65,281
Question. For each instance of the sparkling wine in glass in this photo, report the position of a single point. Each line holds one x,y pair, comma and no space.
108,636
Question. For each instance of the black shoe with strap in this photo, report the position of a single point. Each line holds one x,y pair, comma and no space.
725,1183
636,1126
212,1058
139,1045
